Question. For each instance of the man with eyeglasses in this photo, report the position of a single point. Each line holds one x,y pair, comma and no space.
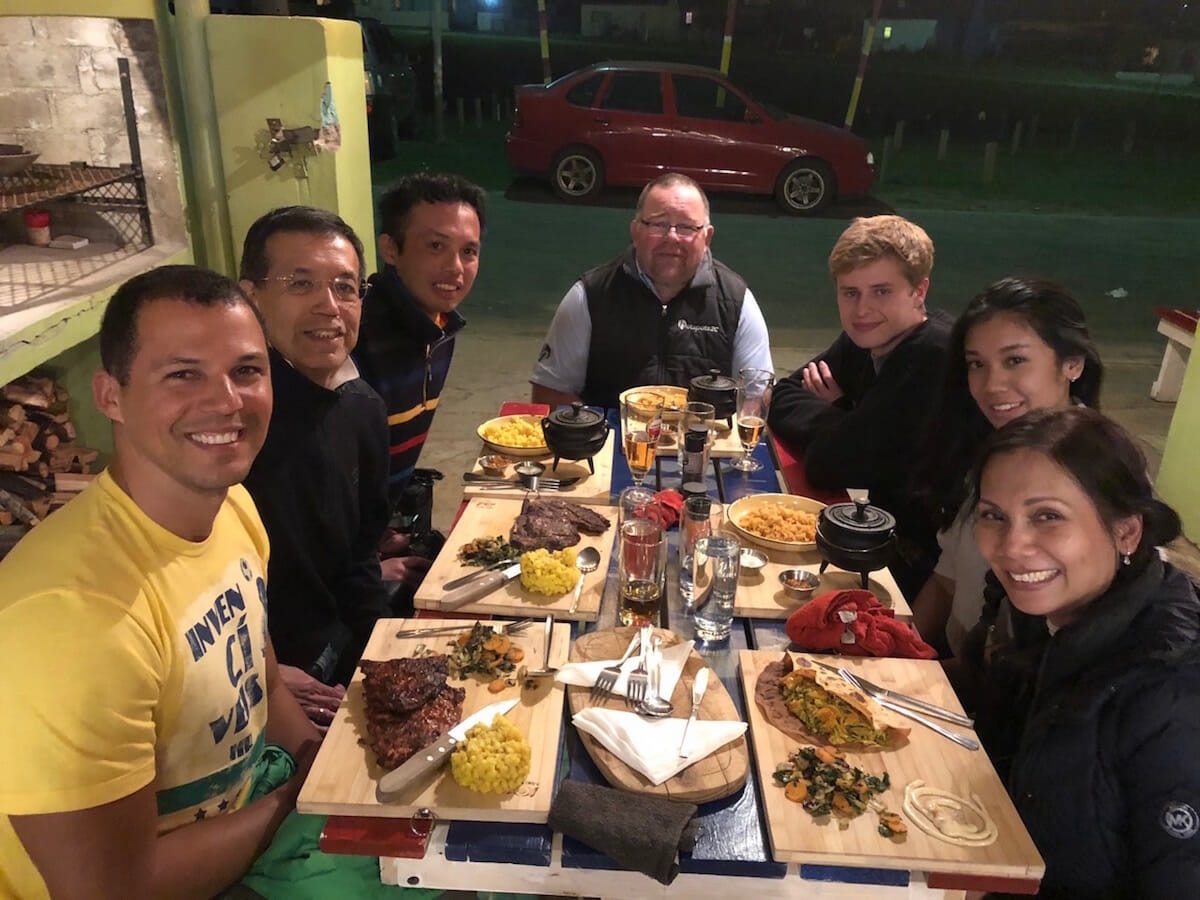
662,312
320,480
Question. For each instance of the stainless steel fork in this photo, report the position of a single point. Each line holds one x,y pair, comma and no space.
639,678
607,679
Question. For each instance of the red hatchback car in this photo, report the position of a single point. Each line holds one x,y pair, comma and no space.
625,123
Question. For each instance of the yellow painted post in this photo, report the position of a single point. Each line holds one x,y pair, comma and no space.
862,65
544,34
727,43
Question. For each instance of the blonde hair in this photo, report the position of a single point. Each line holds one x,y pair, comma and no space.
870,239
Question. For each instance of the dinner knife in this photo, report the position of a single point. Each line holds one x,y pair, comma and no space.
555,483
467,579
698,688
434,756
479,588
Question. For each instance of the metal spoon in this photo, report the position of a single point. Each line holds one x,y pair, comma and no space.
586,561
655,705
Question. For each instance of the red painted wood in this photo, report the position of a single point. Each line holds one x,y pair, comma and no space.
1180,318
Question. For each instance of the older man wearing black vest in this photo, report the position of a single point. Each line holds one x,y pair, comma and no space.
662,312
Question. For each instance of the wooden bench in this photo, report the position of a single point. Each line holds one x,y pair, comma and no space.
1178,326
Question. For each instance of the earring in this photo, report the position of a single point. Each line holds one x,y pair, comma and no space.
1125,559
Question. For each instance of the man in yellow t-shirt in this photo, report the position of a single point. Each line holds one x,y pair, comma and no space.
134,658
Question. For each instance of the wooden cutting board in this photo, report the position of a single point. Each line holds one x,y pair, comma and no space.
760,595
795,836
594,487
343,777
715,776
490,516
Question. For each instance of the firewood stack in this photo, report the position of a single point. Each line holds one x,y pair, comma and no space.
41,466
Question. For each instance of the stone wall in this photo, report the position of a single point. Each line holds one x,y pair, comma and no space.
60,96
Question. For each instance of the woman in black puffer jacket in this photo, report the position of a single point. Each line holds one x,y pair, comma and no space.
1085,670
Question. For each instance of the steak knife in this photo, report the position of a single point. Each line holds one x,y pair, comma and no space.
480,587
472,576
435,755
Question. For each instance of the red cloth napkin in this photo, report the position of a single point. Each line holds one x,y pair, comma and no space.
671,503
854,622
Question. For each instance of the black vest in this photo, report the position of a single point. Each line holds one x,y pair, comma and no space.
636,340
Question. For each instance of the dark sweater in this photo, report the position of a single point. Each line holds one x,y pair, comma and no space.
405,356
1105,719
319,486
868,437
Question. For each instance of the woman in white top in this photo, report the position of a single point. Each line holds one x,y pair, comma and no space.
1020,345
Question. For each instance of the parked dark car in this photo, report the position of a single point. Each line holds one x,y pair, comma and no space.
624,123
391,86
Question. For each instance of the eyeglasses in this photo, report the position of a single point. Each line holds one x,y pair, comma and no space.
343,288
684,231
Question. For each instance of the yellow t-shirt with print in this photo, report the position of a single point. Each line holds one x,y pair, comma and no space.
129,655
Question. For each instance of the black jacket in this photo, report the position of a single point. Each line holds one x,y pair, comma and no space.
319,485
869,437
637,340
1106,771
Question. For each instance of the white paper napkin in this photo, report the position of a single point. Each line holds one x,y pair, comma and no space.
585,674
651,746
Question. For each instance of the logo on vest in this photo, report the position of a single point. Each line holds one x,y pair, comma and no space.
545,354
685,325
1179,820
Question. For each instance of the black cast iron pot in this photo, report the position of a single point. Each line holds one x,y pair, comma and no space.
717,389
856,537
575,433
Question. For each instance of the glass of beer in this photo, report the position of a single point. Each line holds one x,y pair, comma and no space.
641,425
641,571
754,388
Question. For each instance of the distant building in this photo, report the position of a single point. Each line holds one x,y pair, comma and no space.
645,21
902,34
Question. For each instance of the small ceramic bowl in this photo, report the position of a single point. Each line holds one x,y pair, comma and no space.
494,464
798,583
752,560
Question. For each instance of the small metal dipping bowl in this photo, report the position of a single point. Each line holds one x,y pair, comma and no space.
798,583
752,560
528,473
494,464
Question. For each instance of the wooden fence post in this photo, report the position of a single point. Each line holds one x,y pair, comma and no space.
943,143
989,162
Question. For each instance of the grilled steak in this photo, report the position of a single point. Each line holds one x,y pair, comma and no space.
399,686
396,738
554,524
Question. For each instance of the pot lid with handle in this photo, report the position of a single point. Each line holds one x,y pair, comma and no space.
575,417
714,381
857,520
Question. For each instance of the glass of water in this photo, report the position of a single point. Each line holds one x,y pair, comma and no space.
715,566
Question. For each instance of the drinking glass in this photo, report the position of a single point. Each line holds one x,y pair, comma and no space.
715,567
754,388
702,517
641,571
697,412
641,425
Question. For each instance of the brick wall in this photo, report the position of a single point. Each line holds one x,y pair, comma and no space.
60,96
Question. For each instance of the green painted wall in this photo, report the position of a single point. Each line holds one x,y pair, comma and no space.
1179,475
272,67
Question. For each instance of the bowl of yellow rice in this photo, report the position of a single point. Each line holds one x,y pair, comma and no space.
515,435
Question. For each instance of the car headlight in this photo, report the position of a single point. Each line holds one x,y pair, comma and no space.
870,158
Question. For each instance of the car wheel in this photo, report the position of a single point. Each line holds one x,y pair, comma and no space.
805,187
578,174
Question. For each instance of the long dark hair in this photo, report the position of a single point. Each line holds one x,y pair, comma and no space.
1102,458
959,426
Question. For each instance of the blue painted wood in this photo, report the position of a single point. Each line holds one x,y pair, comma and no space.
735,485
849,875
499,842
769,634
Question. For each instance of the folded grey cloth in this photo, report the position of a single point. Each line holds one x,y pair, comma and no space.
640,832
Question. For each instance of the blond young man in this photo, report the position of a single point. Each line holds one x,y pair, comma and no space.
856,413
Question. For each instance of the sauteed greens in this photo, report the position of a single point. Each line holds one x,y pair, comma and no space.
824,715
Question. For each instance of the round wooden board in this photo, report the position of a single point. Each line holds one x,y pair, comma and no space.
716,776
